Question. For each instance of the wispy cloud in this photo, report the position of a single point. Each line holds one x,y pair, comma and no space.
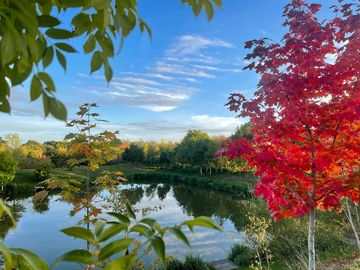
137,92
193,44
175,130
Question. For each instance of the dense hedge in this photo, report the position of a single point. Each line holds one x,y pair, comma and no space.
243,189
16,188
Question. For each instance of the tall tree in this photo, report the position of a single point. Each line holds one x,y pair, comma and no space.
308,95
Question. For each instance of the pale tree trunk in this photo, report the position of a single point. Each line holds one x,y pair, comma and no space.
311,239
260,264
349,216
357,215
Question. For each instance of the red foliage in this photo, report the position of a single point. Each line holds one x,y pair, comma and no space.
305,113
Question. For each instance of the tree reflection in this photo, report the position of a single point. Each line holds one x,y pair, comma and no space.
162,191
6,223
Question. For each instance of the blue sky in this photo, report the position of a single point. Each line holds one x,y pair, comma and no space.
161,88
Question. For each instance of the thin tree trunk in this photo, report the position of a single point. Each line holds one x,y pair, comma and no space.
357,215
311,239
260,264
349,216
267,260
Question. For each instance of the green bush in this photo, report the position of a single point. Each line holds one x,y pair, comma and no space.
190,263
241,255
15,188
8,167
42,173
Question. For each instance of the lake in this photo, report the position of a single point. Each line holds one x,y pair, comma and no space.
39,223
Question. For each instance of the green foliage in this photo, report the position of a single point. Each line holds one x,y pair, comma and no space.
194,149
85,148
116,236
190,263
31,33
8,167
241,189
42,173
241,255
242,132
18,188
134,153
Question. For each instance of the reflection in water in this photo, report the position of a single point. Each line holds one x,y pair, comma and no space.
6,223
38,227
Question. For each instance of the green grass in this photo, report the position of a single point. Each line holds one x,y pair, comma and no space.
190,263
140,172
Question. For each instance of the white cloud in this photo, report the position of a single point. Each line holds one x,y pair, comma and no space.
193,44
165,67
215,122
136,80
155,108
159,76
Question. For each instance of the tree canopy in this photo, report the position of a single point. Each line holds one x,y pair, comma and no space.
32,36
305,113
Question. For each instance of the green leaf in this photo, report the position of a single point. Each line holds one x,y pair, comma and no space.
142,229
122,263
130,211
65,47
202,222
149,221
8,48
79,232
32,260
36,88
218,3
47,80
110,231
61,58
4,105
6,210
6,253
57,109
122,218
34,48
81,22
179,235
144,26
46,104
47,21
158,245
90,44
108,71
78,256
98,227
106,44
209,9
114,247
18,77
48,56
96,62
57,33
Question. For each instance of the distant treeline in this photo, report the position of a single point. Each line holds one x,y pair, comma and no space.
196,151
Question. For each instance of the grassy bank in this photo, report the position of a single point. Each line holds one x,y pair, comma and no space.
242,184
25,180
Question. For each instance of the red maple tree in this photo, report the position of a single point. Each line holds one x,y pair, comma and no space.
305,113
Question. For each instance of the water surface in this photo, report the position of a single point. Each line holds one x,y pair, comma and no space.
39,224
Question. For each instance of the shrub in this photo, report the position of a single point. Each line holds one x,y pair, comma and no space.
190,263
241,255
42,173
15,188
8,167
